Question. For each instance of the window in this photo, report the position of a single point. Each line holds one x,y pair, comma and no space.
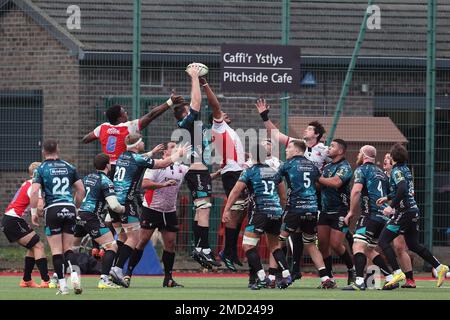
20,129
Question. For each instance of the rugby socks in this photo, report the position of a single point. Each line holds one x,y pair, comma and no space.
135,257
347,258
168,259
230,240
360,264
273,273
124,254
58,265
380,263
204,234
234,248
297,251
329,265
255,263
196,234
280,258
43,269
28,268
107,261
426,255
323,274
409,275
119,246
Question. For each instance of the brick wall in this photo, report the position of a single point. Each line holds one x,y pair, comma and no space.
31,59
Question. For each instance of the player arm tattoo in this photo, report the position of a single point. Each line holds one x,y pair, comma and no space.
402,191
333,182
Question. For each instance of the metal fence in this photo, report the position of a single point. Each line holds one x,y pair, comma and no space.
64,62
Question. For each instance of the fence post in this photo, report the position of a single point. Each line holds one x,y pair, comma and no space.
136,104
430,123
285,26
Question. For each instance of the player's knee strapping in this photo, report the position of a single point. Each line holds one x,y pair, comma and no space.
109,245
309,238
33,241
202,204
239,205
250,241
132,227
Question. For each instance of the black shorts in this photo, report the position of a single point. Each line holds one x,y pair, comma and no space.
260,223
368,230
199,183
306,222
402,222
89,223
15,228
60,218
132,212
152,219
334,220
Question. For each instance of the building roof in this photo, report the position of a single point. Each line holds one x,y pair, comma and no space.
353,129
319,27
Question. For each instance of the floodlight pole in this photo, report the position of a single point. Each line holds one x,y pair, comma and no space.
136,80
349,75
284,101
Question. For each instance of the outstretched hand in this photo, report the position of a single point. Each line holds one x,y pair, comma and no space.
261,105
194,70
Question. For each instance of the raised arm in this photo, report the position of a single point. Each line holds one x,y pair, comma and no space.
263,109
145,120
196,95
212,99
89,137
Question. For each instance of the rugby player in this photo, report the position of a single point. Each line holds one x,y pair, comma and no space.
99,192
198,178
335,196
160,212
266,188
112,135
316,152
17,230
400,247
301,210
229,147
129,171
58,179
370,184
405,218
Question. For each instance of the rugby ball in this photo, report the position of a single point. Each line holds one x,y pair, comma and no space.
203,68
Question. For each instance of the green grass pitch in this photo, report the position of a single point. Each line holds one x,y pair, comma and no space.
216,288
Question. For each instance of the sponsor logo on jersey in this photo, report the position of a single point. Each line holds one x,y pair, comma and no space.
58,172
113,131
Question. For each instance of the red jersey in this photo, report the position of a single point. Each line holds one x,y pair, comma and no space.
21,200
112,137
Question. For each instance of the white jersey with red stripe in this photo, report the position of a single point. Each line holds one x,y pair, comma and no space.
21,200
228,145
164,199
317,154
112,137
